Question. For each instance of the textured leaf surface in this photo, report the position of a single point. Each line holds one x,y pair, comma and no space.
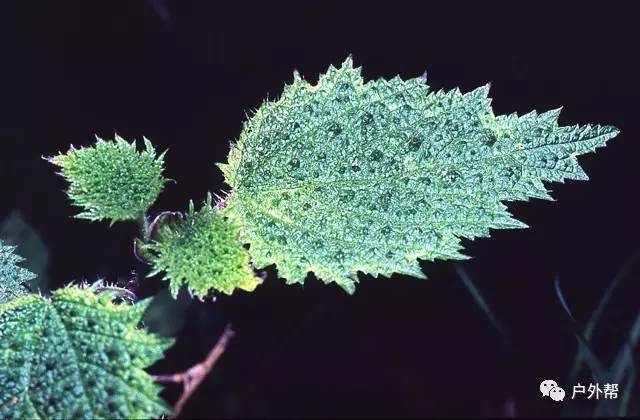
346,176
112,180
11,275
204,252
17,231
76,356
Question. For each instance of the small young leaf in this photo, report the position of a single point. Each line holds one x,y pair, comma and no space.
77,356
12,276
112,180
346,176
202,251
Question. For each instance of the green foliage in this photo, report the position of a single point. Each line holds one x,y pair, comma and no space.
12,276
112,180
202,251
77,356
15,230
346,176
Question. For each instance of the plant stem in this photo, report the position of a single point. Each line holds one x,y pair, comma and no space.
143,224
193,377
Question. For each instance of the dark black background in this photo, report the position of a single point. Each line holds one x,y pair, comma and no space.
184,73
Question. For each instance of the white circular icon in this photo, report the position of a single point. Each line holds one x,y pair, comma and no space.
546,385
556,394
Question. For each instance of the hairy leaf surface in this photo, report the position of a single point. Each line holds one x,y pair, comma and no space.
77,356
346,175
11,275
18,232
112,180
202,251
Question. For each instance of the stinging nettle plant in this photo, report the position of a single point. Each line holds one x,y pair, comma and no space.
333,178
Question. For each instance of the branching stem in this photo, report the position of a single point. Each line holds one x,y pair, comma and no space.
193,377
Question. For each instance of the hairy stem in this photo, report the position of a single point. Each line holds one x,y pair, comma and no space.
143,224
120,291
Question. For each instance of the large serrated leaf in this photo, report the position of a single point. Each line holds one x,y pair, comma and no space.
77,356
346,176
